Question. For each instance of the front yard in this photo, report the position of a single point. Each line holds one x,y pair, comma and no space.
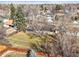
24,40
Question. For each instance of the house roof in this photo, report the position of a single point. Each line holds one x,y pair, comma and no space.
74,29
60,14
10,50
9,22
2,47
10,30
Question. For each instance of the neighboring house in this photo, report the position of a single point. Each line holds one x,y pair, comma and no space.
49,18
75,22
60,13
4,11
8,24
12,52
10,31
2,47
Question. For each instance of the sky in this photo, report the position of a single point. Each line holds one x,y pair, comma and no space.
38,1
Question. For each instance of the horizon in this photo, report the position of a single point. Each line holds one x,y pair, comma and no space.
39,2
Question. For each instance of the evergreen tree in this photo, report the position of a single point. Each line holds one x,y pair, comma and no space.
59,7
41,6
12,12
20,20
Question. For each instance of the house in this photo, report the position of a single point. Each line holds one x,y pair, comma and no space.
4,11
2,47
6,51
7,23
75,22
60,13
40,54
49,18
10,31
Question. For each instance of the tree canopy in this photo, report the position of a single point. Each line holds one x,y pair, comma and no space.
12,11
20,21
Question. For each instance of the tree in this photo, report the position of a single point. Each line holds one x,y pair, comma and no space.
12,12
59,7
41,6
3,39
20,21
65,42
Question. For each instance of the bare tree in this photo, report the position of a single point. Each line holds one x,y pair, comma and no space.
65,41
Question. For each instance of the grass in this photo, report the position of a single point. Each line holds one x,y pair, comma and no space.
24,40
